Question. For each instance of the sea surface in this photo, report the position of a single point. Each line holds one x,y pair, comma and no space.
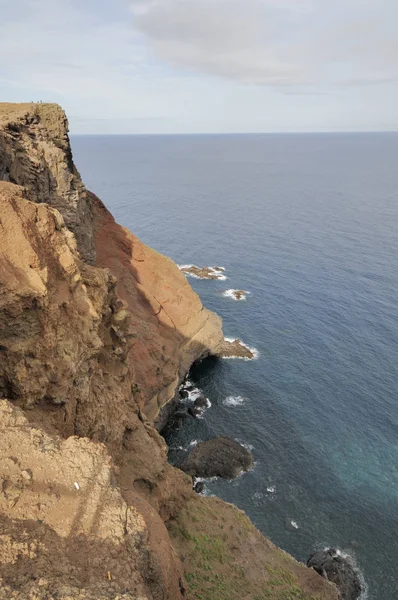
309,225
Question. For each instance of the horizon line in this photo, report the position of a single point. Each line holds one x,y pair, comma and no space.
242,133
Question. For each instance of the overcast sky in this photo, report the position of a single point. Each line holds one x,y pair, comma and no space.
178,66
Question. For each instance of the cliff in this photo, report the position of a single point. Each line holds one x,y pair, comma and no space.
96,332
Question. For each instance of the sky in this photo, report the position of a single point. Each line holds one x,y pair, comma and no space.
205,66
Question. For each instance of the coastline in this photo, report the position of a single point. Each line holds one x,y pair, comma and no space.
97,333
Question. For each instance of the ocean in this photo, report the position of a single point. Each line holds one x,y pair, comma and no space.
308,224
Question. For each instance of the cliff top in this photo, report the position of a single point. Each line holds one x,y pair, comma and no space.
51,116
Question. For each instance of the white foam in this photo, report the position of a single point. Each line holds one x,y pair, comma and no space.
232,294
233,401
193,395
294,524
271,489
218,273
193,443
254,351
204,479
247,446
203,410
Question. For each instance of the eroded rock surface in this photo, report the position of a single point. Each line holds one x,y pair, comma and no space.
35,153
169,327
65,530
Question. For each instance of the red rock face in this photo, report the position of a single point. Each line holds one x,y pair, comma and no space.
169,327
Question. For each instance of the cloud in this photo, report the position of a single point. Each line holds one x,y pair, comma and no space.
60,50
275,42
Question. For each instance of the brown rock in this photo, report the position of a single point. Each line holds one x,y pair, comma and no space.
203,272
236,349
219,457
60,541
35,153
169,326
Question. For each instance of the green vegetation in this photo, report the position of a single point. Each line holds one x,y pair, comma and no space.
223,559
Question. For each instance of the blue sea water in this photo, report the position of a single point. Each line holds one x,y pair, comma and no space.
309,225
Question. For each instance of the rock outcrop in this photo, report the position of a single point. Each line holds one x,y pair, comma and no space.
219,457
35,153
66,531
96,333
339,569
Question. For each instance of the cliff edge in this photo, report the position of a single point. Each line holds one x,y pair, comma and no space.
96,333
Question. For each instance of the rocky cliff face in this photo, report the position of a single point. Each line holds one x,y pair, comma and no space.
168,328
35,153
96,332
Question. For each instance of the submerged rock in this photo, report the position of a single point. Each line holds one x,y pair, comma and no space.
219,457
338,569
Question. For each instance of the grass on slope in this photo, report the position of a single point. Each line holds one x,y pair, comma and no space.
226,558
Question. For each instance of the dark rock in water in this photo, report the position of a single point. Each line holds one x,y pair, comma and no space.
195,411
180,414
338,569
201,402
219,457
184,394
189,388
199,487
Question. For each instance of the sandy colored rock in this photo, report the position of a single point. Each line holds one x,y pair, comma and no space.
67,532
64,356
35,153
60,348
236,349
